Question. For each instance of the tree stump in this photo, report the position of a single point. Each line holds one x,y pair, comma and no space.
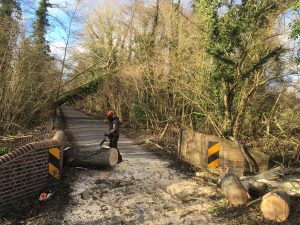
275,206
233,190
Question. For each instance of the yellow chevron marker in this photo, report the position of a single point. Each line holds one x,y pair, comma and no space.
213,155
54,165
55,152
213,165
53,171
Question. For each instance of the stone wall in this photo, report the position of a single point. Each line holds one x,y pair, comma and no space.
193,148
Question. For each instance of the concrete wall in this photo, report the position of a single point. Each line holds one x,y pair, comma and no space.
193,148
24,172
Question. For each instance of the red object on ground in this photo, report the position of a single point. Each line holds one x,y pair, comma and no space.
43,196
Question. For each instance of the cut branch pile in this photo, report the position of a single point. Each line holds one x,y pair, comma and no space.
276,187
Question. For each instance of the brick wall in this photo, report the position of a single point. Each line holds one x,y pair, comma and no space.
193,148
24,172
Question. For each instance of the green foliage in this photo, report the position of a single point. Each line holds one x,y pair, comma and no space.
4,150
231,29
9,14
295,33
81,92
27,73
296,6
40,26
295,30
210,79
139,116
8,7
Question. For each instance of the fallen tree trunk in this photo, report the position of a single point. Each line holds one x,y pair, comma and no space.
164,132
270,174
153,143
290,187
106,157
273,179
233,190
273,173
278,182
275,206
255,189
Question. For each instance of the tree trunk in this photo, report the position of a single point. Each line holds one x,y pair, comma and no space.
290,187
251,162
107,157
255,189
273,179
164,132
273,173
233,190
275,206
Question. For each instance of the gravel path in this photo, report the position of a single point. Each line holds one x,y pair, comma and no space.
141,190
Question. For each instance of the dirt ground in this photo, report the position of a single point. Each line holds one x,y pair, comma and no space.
143,189
148,187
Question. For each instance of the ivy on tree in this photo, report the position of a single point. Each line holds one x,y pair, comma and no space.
40,26
234,30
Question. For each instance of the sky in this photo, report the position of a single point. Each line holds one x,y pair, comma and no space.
60,15
59,19
65,14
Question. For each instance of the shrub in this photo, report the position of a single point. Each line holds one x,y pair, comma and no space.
4,150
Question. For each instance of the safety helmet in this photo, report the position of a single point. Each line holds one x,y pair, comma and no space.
110,113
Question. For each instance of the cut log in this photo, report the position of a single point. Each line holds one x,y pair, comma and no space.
260,187
275,206
109,157
273,180
254,188
288,171
273,174
257,188
106,157
279,179
233,190
270,174
290,187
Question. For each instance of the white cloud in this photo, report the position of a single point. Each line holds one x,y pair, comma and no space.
58,49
